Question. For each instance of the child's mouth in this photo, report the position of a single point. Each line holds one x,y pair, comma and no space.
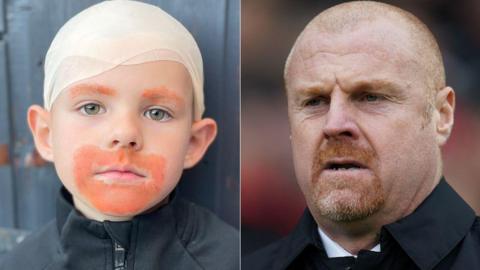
120,175
118,182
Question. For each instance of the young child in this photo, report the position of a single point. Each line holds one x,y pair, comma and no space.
122,118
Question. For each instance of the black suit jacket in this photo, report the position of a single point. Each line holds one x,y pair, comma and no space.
178,235
442,233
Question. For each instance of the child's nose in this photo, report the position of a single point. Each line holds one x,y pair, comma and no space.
132,144
126,134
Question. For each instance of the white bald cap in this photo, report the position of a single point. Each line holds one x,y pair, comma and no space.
119,32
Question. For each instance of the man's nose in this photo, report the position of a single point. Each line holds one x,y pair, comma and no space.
340,121
126,132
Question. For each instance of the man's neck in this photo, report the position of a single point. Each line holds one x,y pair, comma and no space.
352,237
334,250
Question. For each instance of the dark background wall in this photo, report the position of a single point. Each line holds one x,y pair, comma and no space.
28,185
271,200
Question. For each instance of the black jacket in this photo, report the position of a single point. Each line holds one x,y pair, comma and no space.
442,233
178,235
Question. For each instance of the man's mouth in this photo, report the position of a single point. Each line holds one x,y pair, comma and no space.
340,165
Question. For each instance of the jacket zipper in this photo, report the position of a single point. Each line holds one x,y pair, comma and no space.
119,257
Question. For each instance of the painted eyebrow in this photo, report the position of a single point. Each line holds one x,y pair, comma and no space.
91,89
162,93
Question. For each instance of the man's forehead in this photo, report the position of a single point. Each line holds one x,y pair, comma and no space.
380,38
372,48
380,30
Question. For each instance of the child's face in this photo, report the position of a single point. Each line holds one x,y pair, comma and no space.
120,140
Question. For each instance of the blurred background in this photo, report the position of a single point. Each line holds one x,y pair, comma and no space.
29,185
271,201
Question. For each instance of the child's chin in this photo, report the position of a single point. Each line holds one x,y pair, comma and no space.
123,200
122,212
123,208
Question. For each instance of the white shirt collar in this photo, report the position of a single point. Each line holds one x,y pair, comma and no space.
334,250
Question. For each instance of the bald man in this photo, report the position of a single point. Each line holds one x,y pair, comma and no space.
369,111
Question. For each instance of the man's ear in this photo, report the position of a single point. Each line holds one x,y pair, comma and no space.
445,108
39,122
204,132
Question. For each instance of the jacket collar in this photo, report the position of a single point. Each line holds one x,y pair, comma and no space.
66,210
442,218
154,239
305,234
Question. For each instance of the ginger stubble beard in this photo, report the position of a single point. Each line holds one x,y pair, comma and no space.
340,198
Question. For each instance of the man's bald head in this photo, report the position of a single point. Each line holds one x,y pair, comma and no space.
346,18
359,79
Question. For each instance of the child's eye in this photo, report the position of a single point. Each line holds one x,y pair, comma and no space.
91,109
157,114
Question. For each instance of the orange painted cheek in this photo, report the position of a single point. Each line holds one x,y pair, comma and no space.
119,199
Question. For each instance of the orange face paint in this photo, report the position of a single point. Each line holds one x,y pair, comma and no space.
91,89
162,93
118,197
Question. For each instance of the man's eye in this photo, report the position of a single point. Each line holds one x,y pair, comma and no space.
316,101
157,114
91,109
371,97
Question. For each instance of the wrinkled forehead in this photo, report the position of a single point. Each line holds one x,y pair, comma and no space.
381,44
380,38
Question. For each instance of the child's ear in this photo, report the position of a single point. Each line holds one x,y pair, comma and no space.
204,132
39,122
